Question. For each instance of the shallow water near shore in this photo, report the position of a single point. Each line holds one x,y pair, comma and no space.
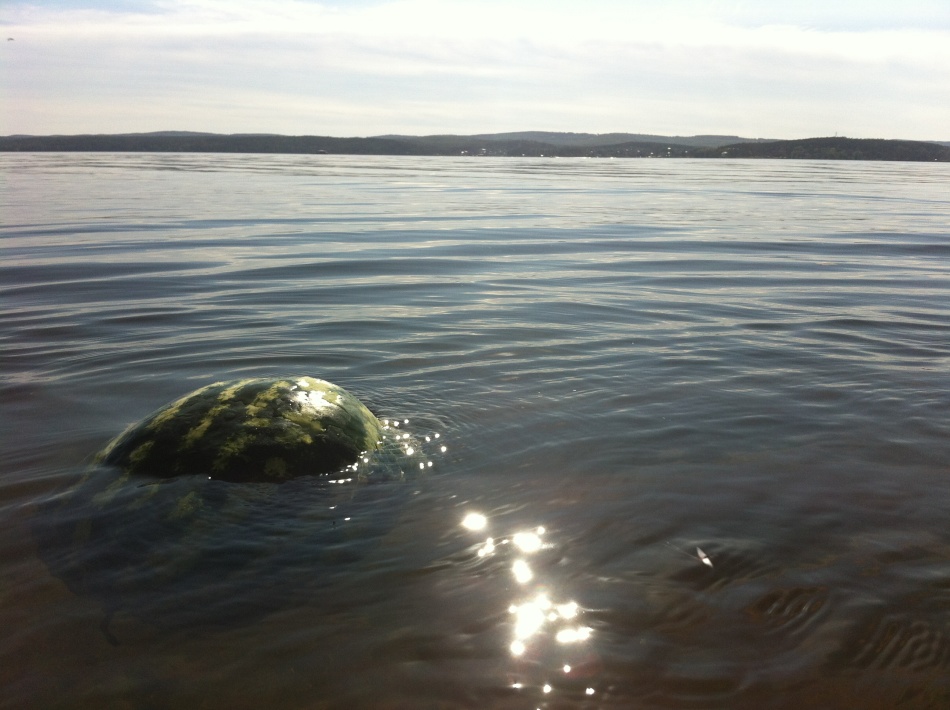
702,406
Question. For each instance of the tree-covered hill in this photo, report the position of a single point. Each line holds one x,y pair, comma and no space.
528,144
833,149
183,142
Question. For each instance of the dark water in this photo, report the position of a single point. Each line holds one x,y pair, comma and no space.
625,360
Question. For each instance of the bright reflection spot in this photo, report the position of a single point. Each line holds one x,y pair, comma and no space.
540,621
443,448
312,399
527,542
528,620
567,611
410,451
522,572
475,521
581,633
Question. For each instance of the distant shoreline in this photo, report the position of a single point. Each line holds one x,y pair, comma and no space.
526,144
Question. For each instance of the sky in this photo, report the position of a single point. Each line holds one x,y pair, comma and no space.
789,69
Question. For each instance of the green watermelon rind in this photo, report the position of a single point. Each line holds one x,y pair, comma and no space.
250,430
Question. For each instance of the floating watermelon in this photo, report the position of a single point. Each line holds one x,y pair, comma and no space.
250,430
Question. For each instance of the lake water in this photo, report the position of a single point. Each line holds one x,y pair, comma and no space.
627,362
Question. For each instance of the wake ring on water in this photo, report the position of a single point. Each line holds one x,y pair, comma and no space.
156,548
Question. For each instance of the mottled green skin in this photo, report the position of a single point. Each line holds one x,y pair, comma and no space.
250,430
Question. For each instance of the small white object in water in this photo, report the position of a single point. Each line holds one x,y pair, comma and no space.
704,557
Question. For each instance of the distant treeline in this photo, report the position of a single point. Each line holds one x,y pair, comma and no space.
536,144
208,143
833,149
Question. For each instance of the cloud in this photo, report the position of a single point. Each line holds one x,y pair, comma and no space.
458,65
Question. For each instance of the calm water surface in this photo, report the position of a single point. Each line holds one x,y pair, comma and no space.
627,362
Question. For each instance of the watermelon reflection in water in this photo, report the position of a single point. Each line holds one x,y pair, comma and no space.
229,502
